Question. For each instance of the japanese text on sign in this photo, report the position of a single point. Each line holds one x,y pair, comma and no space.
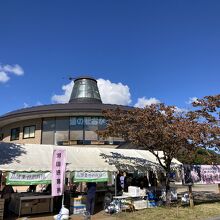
58,172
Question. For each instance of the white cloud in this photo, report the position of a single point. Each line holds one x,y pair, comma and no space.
114,93
6,70
26,105
3,77
179,110
39,103
191,100
142,102
64,98
111,93
16,69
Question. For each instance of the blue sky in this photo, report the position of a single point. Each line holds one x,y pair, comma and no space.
167,50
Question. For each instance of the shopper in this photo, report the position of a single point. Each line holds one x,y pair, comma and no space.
122,180
6,194
90,202
118,183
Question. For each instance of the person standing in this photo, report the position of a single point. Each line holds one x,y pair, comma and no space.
6,195
90,201
118,183
122,180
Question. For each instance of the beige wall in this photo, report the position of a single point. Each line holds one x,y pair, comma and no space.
36,140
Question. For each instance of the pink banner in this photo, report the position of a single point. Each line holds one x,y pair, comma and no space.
202,174
58,172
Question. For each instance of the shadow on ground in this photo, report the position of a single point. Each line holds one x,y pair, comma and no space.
204,197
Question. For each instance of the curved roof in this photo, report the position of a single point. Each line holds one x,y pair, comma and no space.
56,110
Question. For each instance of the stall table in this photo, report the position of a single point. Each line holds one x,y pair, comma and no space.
26,204
133,202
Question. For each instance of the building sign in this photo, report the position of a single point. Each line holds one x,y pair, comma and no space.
28,178
81,176
58,171
202,174
90,121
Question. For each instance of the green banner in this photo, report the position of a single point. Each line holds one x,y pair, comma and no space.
91,176
28,178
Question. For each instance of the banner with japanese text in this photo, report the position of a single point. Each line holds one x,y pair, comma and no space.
90,176
28,178
201,174
58,171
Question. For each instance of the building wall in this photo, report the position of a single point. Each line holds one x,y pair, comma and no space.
72,130
36,140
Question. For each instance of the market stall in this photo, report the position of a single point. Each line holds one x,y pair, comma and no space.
80,160
36,160
30,202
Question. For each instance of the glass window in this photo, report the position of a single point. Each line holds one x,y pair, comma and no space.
76,130
91,128
29,131
15,134
48,131
62,131
102,123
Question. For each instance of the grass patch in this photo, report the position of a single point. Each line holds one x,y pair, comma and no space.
199,212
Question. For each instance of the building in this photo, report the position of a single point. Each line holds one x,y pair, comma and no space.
73,123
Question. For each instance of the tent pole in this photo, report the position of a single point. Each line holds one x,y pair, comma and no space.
115,183
64,180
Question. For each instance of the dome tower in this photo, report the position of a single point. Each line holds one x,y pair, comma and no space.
85,90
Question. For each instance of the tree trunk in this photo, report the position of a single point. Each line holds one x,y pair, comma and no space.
218,188
168,193
191,202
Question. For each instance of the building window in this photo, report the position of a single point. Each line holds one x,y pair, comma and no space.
48,131
29,132
90,128
15,134
76,130
61,136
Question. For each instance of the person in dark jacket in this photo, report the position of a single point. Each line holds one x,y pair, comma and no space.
118,183
6,195
90,202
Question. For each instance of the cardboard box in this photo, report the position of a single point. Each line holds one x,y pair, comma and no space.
134,190
76,210
25,210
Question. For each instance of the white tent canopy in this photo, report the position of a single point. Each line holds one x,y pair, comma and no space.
36,157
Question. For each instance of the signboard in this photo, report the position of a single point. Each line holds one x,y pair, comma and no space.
91,121
28,178
201,174
58,172
81,176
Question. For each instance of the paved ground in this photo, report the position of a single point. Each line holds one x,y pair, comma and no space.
201,192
